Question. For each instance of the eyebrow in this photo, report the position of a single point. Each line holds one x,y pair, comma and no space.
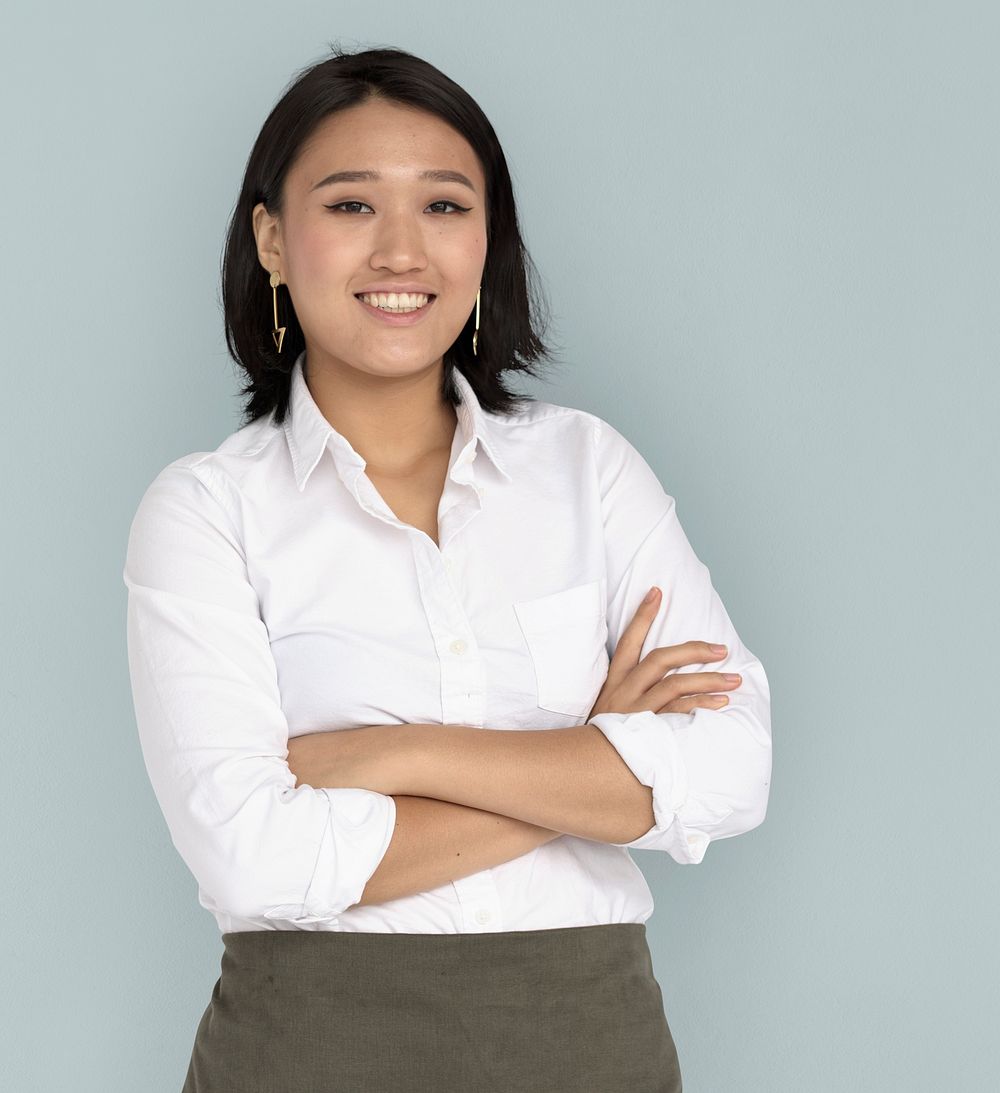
374,176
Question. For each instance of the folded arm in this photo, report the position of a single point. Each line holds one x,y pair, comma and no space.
567,780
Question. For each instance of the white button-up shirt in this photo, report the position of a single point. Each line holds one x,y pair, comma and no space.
273,592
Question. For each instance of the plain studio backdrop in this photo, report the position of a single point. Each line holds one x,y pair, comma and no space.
769,235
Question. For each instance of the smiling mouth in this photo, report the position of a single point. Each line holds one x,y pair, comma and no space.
396,303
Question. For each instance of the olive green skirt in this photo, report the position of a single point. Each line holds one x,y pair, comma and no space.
575,1009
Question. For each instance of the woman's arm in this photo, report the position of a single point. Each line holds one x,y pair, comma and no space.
567,780
570,780
436,842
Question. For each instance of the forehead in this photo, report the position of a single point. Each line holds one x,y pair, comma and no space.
394,139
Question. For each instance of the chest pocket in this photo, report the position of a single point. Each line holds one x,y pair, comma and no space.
566,634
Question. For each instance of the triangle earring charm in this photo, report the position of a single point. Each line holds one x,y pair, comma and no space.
279,337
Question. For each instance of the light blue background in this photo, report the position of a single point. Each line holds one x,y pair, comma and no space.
769,234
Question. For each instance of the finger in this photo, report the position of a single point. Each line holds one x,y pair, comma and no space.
679,684
681,656
693,702
629,646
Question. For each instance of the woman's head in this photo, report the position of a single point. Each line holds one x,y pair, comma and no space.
385,111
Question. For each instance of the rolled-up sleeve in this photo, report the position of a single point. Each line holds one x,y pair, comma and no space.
213,734
709,770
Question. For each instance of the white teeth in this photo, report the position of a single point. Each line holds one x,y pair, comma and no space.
395,301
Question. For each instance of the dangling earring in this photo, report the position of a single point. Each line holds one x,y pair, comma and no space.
279,331
475,335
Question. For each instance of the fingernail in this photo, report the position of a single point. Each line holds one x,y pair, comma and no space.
717,648
651,594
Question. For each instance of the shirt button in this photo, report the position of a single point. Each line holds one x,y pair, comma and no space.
449,565
483,916
457,646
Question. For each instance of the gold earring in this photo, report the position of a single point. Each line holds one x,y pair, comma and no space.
475,335
279,331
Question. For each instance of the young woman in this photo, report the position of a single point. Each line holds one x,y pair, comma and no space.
401,693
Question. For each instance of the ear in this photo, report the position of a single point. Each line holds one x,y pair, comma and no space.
267,232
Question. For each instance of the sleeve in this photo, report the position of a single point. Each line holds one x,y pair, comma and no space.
709,770
212,731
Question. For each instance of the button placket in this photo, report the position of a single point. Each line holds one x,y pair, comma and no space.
479,901
461,670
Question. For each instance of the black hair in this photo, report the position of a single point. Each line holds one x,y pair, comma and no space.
511,332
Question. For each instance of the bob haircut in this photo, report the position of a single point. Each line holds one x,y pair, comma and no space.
510,337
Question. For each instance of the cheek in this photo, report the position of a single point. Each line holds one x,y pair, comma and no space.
317,252
477,246
467,255
315,256
319,266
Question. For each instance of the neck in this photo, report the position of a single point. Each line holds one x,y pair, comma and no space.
393,422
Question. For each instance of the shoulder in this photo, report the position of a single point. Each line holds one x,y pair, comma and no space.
186,531
222,472
622,472
542,422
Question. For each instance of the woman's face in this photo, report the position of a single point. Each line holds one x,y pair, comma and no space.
393,231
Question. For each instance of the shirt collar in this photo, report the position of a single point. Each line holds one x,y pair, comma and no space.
309,433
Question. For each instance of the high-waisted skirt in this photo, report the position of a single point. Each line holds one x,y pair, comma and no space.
570,1010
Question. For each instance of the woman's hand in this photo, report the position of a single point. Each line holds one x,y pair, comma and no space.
633,685
346,758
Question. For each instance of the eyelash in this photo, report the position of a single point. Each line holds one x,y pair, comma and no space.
454,205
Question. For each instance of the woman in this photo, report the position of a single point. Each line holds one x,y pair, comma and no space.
337,618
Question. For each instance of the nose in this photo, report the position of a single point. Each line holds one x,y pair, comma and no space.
399,243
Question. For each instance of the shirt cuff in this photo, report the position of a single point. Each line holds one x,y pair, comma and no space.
646,743
357,834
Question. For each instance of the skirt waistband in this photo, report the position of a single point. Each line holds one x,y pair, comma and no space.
290,948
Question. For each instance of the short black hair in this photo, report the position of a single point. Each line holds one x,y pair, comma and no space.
512,324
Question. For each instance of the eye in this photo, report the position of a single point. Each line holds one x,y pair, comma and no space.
345,204
459,208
